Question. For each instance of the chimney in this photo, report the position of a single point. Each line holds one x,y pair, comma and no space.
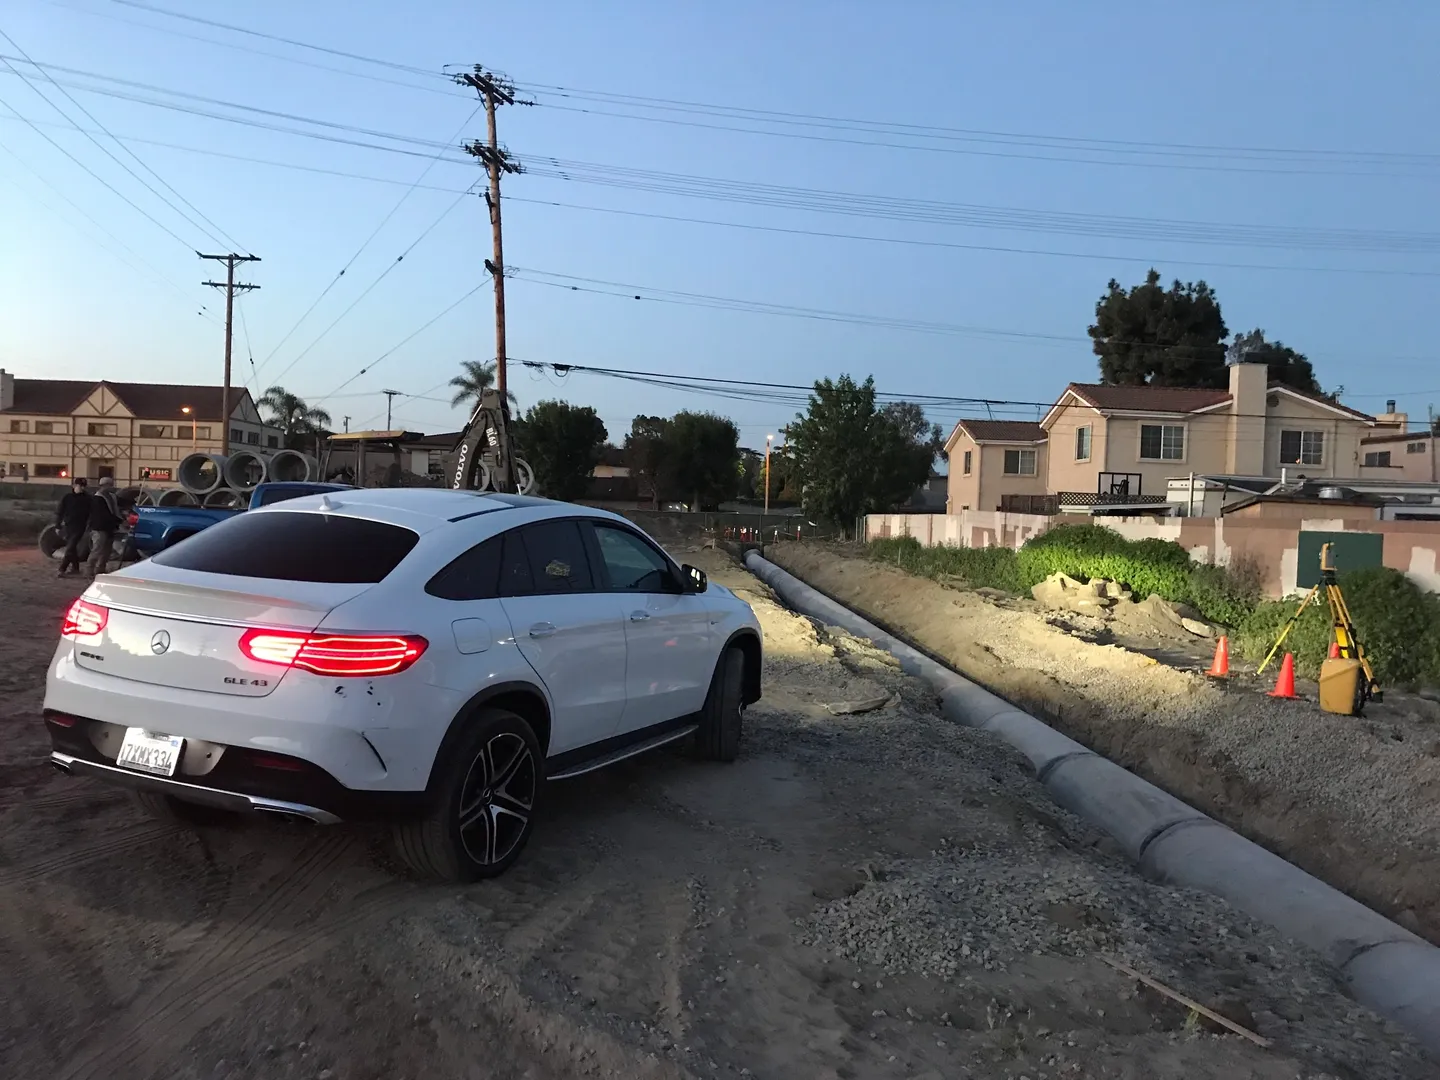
1390,405
7,390
1249,385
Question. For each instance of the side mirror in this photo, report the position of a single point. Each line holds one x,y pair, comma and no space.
695,579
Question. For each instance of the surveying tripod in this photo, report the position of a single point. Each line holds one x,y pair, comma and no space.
1347,642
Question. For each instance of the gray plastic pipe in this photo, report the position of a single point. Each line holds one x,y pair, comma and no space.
1384,966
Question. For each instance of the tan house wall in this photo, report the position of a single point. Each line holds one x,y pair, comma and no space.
1412,547
1342,438
963,489
1065,473
1422,467
1206,449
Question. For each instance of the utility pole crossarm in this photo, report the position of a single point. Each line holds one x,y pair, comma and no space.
231,287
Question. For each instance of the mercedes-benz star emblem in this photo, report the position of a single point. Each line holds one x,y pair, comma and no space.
160,642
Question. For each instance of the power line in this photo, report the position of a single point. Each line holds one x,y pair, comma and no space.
940,132
369,288
361,249
252,50
405,341
622,290
213,229
139,262
853,203
105,183
410,68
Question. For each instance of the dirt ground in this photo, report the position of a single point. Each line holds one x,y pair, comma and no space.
1354,801
882,895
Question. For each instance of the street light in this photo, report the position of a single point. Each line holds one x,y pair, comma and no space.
766,512
189,412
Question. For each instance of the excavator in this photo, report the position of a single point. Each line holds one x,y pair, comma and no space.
483,458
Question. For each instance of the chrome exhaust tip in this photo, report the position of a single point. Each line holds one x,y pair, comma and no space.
60,766
288,815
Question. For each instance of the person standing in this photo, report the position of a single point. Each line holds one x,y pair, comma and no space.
104,522
72,519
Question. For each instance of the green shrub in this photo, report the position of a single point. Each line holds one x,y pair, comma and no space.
1226,594
1397,622
985,567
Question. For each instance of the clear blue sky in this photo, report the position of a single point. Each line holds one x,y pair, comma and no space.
1353,78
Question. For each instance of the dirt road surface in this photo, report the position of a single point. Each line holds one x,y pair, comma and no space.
1354,802
882,895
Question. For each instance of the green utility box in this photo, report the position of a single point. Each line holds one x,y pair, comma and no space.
1348,551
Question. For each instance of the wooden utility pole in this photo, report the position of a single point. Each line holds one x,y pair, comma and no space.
494,90
231,286
389,399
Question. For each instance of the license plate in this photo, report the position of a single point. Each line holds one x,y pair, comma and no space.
150,752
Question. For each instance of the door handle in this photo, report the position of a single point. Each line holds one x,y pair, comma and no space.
542,629
639,616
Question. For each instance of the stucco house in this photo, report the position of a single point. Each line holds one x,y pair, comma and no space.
1111,443
992,462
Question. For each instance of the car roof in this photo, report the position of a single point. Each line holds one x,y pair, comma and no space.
424,509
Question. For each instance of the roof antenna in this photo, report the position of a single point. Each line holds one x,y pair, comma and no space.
325,504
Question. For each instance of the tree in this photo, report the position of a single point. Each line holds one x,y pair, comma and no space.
854,459
1285,364
702,453
476,376
645,455
562,445
297,421
1154,336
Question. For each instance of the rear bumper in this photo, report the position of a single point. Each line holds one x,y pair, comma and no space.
224,800
234,777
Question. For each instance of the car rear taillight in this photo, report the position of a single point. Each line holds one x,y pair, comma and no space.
334,654
132,519
84,620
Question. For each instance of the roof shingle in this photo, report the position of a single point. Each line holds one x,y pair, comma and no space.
1003,430
1169,399
147,401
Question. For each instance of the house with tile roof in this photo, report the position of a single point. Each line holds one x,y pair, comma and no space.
996,464
54,429
1119,445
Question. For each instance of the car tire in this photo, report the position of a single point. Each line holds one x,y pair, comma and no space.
486,790
722,718
168,808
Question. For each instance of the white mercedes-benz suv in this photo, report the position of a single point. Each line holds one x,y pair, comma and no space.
424,656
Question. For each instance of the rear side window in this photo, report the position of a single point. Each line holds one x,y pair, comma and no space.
288,546
473,576
558,563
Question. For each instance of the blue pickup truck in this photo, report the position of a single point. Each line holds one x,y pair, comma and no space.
154,528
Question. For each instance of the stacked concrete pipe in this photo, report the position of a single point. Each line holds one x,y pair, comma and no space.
177,497
293,467
1383,965
201,473
244,471
223,499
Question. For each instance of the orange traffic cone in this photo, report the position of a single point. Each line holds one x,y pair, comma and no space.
1220,667
1334,650
1285,683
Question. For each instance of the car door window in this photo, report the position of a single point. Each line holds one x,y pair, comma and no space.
632,564
557,559
515,577
473,576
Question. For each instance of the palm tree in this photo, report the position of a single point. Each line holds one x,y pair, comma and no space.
296,420
476,376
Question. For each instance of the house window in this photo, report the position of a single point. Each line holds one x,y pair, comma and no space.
51,472
1019,462
272,441
204,432
1162,442
154,431
236,435
969,460
21,426
49,427
1303,447
1082,443
253,438
1415,448
1378,459
100,429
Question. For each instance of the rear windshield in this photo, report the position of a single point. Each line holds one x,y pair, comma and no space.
289,546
